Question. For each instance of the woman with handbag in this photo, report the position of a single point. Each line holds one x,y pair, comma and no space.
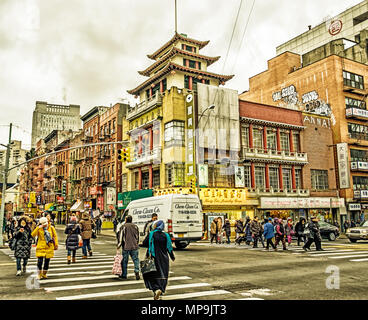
72,240
159,250
22,244
46,244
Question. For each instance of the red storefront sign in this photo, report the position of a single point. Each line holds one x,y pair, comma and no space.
100,203
60,199
95,190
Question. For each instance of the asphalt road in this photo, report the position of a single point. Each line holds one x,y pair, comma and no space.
202,271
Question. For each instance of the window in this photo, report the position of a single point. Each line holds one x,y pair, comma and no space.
274,177
298,178
175,174
353,80
136,180
247,176
164,84
284,141
319,179
124,182
360,183
145,180
286,178
359,155
156,178
245,136
174,133
296,141
259,174
219,176
258,138
354,103
186,81
271,139
358,131
188,48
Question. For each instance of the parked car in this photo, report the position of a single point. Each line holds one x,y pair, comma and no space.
358,233
328,231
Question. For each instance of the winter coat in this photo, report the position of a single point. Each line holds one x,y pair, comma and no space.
299,228
239,227
255,227
289,230
213,227
268,230
219,225
227,228
280,230
129,237
314,232
23,244
43,249
86,225
72,231
248,233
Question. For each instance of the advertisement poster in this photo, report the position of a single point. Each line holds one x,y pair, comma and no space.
239,177
203,175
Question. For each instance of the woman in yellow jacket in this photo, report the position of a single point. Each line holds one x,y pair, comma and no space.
46,244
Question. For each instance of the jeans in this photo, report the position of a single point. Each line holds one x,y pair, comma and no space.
124,261
25,260
70,252
269,242
86,245
214,236
255,243
40,262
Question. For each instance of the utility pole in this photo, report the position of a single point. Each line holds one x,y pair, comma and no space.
5,182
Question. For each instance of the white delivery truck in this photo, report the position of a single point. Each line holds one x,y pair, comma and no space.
181,213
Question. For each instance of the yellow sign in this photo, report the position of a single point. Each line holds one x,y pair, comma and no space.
32,197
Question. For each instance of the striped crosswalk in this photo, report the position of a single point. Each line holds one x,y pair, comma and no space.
92,278
334,251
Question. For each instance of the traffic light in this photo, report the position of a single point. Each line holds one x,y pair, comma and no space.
192,185
126,155
120,155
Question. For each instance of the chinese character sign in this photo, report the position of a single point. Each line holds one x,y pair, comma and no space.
342,159
190,129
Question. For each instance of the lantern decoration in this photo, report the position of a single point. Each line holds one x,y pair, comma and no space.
152,85
173,72
200,77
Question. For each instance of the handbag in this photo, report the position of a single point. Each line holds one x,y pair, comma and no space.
148,265
116,268
12,243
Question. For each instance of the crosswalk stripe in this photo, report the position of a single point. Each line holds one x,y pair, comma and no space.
101,258
52,275
191,295
325,252
111,276
78,264
350,256
129,291
359,260
337,253
106,284
71,268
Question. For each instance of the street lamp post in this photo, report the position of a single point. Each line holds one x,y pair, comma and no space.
5,182
211,108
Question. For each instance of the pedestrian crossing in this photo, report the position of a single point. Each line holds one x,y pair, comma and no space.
92,278
332,251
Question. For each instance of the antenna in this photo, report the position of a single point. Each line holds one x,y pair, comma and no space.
176,17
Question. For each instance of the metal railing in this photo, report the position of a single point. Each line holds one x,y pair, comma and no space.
144,106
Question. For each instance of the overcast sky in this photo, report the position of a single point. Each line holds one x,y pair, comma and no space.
88,52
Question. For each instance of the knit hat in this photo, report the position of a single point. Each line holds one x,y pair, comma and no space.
44,221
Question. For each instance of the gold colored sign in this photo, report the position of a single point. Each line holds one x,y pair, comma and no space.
223,196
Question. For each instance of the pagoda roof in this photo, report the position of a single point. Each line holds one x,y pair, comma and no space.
175,38
173,66
174,51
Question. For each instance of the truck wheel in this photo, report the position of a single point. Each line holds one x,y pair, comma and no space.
332,236
181,245
353,240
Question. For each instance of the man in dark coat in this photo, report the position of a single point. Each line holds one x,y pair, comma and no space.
72,241
255,228
239,228
23,244
299,229
314,235
227,228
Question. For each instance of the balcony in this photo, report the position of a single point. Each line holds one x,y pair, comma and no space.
60,163
153,156
87,138
356,113
255,153
359,166
88,158
144,106
76,180
263,192
358,136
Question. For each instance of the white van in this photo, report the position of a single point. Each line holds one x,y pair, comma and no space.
182,215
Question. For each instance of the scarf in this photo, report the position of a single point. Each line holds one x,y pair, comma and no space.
47,236
151,247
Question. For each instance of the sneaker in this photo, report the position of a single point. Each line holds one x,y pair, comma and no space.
157,294
18,273
137,277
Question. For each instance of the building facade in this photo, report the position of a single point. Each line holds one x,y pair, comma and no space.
48,117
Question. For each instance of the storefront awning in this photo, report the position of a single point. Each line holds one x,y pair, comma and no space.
77,206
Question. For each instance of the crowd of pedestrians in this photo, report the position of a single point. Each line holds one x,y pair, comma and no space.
270,232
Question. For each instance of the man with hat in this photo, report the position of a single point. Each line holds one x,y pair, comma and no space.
314,235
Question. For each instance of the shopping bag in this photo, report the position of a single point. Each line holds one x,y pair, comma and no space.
80,241
116,268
